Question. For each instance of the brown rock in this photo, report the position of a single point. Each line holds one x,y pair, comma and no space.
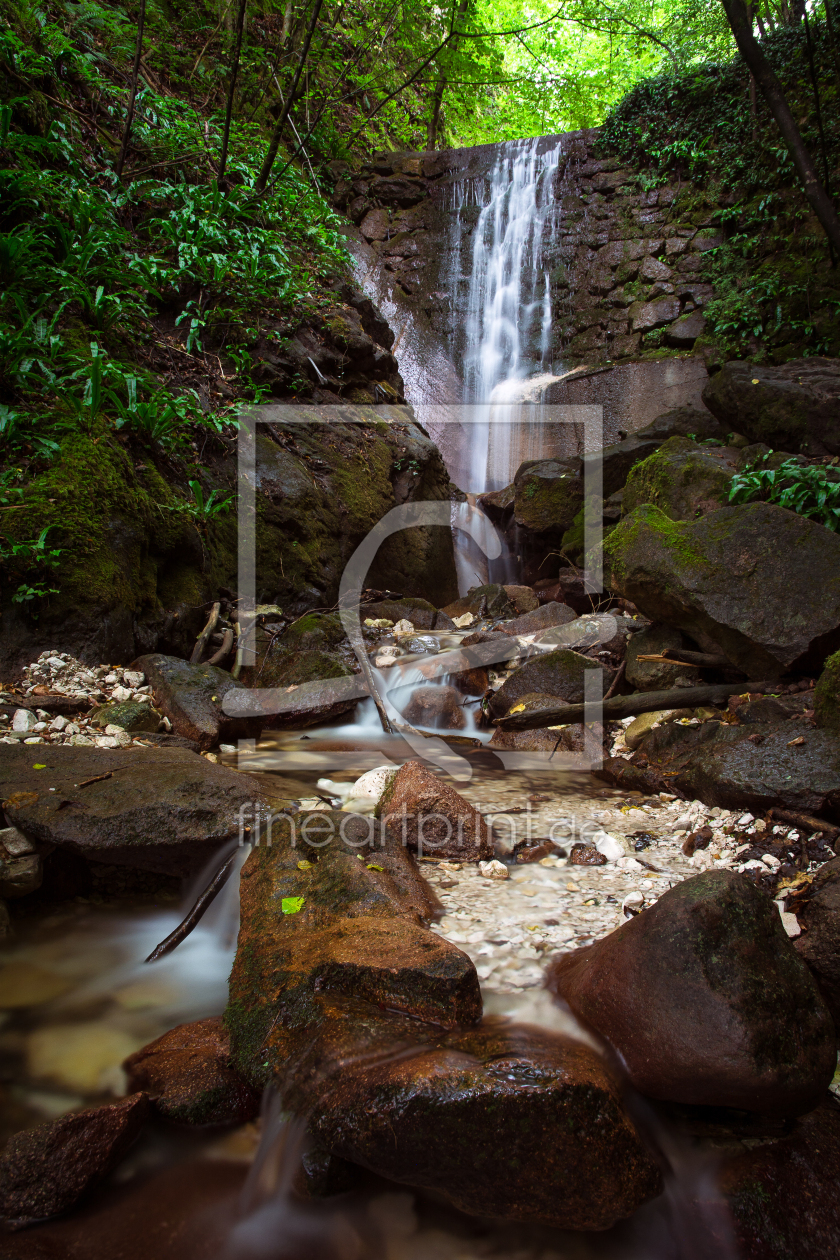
572,589
187,1073
375,225
423,812
537,740
438,707
523,598
536,852
471,682
541,619
586,855
46,1170
706,1000
337,906
559,674
191,697
783,1194
503,1121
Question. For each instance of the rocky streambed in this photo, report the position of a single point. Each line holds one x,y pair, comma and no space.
519,976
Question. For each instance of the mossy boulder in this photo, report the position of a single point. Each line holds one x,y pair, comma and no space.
560,674
192,697
683,479
312,631
755,582
573,542
827,696
131,715
548,495
792,407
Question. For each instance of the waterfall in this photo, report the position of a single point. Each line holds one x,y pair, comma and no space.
507,327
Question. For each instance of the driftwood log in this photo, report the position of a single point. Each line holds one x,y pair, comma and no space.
611,710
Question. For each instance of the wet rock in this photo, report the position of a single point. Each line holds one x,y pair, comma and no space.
421,614
617,460
571,588
317,687
543,618
641,726
422,811
656,675
586,855
524,598
471,682
438,707
755,582
549,494
782,1194
375,225
20,875
724,765
46,1170
131,715
155,809
498,504
336,906
791,407
537,740
473,1114
188,1075
191,697
683,422
819,944
559,674
707,1001
483,601
683,479
647,315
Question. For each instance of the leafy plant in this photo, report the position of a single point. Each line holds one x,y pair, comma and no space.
807,489
27,557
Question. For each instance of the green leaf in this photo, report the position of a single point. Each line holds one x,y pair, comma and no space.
291,905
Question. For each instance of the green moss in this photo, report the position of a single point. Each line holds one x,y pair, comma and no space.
648,522
827,695
548,504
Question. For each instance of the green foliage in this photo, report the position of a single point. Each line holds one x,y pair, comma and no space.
33,558
807,489
200,508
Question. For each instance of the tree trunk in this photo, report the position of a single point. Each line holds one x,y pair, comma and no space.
771,90
629,706
440,86
234,70
132,96
274,145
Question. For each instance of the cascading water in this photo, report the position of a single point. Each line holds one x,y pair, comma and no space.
507,327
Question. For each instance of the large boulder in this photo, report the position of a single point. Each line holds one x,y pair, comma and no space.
707,1001
656,675
750,767
683,479
616,461
755,582
473,1113
549,494
423,812
819,944
191,697
792,407
313,632
46,1170
438,707
542,618
421,614
188,1076
155,809
559,674
783,1194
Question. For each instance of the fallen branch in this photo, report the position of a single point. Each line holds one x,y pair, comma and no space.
803,822
626,706
617,680
201,641
706,659
195,915
224,650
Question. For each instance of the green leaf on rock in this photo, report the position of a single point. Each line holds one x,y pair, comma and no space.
373,867
291,905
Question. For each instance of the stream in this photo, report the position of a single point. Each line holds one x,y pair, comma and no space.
77,997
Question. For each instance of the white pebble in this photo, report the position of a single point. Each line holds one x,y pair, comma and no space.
745,820
59,723
493,870
24,720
